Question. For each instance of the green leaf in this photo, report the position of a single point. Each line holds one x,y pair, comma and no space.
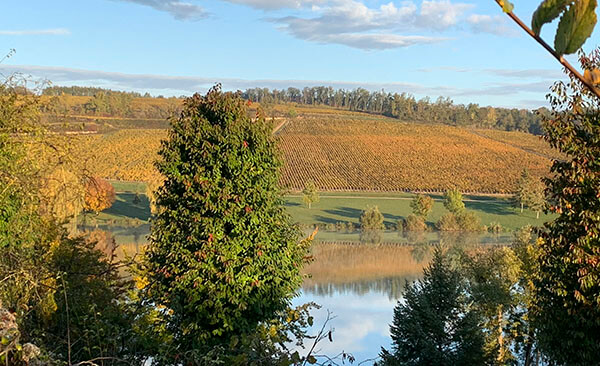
311,359
547,12
506,5
575,26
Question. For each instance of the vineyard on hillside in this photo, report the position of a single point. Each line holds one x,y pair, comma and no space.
123,155
347,154
341,152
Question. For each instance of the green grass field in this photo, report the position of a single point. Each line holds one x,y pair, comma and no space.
337,207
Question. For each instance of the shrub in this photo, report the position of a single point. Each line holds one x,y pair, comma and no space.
448,222
415,223
468,221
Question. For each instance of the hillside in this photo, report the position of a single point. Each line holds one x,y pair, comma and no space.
345,153
355,151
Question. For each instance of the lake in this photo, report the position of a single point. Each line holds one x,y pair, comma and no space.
358,284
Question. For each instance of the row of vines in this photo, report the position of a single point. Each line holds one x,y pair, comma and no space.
344,153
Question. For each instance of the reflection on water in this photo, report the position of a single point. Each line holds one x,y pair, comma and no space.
359,283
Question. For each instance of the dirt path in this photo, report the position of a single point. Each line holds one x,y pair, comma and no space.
530,151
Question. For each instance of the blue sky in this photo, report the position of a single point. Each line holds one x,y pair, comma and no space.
466,50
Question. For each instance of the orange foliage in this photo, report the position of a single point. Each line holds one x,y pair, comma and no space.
99,195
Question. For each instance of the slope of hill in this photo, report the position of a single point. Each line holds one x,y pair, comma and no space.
353,152
342,153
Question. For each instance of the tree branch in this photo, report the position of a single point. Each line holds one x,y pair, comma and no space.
551,50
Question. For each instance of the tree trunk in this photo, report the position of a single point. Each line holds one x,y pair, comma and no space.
310,203
501,350
538,215
521,207
528,349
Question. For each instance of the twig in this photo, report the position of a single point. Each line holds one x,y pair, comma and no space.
551,50
93,360
320,336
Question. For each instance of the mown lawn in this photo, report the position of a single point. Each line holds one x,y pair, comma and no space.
339,207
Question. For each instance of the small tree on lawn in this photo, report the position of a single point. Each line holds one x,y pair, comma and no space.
453,201
434,324
310,194
224,255
371,225
99,195
537,198
421,205
523,189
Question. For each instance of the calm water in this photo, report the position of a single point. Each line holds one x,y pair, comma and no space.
358,284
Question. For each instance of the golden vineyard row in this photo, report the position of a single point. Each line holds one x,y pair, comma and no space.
351,154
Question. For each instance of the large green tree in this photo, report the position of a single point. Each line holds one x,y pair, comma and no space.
568,284
223,255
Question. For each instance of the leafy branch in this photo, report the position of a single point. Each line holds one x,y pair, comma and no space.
574,28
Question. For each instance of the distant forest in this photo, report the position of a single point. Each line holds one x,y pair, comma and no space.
404,106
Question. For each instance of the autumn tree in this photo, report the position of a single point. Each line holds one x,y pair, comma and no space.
421,205
310,194
65,294
223,254
567,287
99,195
434,323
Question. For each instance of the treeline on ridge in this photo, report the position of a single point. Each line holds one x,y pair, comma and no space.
93,101
406,107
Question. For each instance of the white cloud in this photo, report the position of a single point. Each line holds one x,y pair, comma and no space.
36,32
354,24
375,41
496,24
441,15
278,4
180,10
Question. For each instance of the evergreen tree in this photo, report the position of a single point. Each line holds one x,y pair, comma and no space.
434,324
223,256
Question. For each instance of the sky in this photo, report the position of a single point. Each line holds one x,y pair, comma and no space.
466,50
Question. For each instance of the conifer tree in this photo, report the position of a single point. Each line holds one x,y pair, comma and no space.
434,324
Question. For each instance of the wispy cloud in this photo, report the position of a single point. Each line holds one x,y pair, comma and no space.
190,84
178,85
180,10
36,32
278,4
539,74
